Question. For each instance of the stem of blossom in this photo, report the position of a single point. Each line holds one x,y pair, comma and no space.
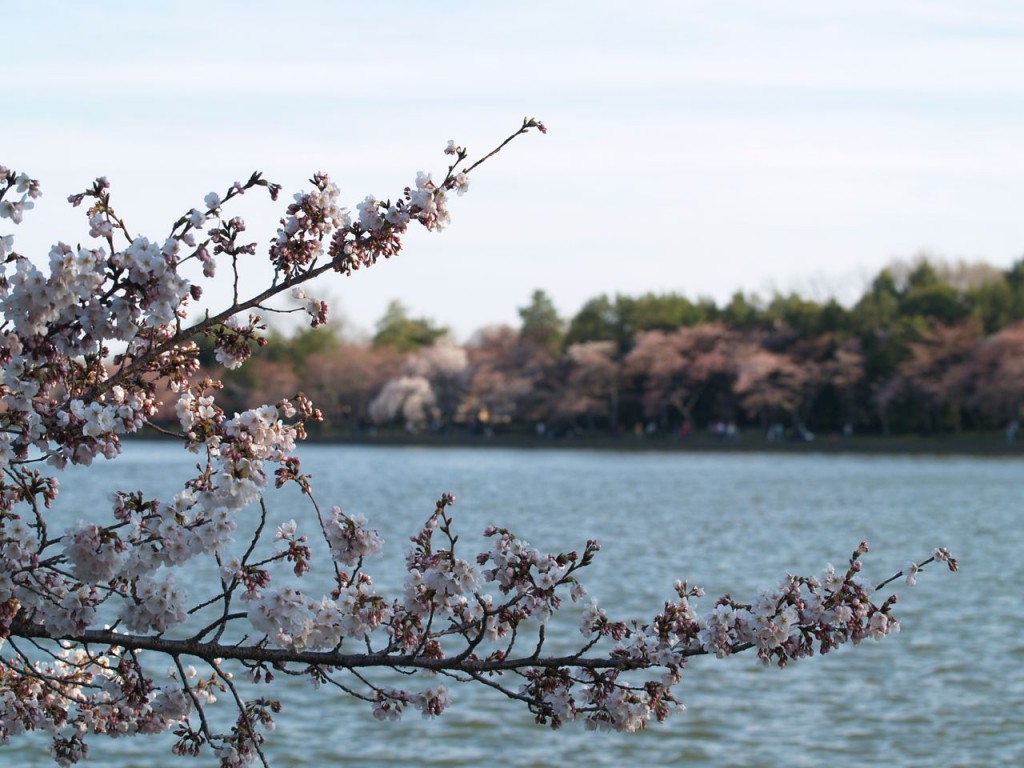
219,622
200,711
243,714
540,642
351,691
528,123
900,574
323,531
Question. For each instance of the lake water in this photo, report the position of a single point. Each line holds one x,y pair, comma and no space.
947,691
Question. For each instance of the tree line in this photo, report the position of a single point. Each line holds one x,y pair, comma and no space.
929,347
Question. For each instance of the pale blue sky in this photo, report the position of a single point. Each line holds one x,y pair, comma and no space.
695,146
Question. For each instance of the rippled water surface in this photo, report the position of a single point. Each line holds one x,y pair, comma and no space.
947,691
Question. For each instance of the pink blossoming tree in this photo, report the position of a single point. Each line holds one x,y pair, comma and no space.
100,633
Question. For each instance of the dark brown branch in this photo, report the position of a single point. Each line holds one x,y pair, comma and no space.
258,653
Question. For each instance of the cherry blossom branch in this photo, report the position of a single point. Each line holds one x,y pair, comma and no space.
462,662
90,601
341,260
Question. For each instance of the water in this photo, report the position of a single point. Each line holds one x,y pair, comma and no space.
948,690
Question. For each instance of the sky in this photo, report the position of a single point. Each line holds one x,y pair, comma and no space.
695,146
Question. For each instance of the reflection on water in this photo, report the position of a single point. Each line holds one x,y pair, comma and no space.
947,691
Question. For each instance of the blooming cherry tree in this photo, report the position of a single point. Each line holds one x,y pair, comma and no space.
101,631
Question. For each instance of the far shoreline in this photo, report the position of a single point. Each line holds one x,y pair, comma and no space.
945,445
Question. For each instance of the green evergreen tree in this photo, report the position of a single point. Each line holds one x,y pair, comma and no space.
597,320
541,323
397,329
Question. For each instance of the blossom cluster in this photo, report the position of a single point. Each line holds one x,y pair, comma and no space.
112,694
